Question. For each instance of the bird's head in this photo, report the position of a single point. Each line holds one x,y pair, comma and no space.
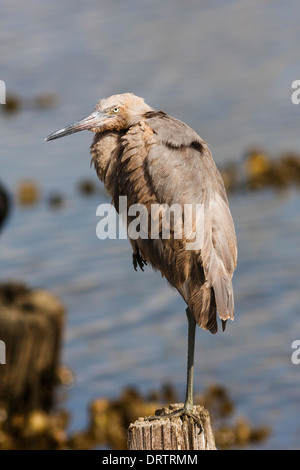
117,112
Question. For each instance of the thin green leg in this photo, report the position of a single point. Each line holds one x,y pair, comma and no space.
188,404
189,399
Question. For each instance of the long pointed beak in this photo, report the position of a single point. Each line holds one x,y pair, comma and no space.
90,122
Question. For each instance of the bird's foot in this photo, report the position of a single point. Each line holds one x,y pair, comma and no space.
138,261
177,413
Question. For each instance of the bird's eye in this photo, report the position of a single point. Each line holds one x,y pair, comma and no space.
115,110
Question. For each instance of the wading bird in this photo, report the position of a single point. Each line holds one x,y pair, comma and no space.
153,158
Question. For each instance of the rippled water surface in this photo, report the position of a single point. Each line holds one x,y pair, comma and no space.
225,68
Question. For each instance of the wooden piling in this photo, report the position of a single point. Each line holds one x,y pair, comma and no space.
31,323
172,434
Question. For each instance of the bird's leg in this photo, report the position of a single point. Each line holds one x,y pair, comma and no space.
187,409
189,402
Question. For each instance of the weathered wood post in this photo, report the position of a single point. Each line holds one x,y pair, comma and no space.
172,434
31,324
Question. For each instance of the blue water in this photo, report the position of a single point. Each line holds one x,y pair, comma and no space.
225,68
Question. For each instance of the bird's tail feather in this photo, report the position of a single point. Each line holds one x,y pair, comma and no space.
207,303
203,306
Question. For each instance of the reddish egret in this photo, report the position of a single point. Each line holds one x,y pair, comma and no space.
153,158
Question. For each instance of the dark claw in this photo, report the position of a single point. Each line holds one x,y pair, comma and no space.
176,414
138,260
134,261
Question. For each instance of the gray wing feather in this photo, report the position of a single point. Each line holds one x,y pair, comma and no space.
182,170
